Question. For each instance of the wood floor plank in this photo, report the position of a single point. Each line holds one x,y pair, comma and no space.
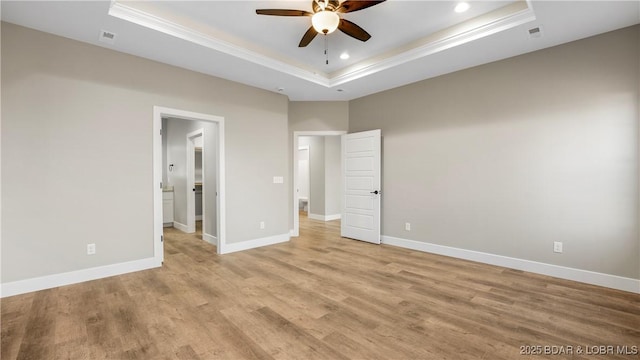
15,311
318,296
39,334
238,344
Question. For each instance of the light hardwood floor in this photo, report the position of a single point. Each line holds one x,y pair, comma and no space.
317,297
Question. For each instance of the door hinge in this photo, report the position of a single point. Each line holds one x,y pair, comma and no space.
160,184
161,238
160,131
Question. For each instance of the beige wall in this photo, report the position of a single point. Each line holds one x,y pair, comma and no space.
504,158
77,152
318,116
508,157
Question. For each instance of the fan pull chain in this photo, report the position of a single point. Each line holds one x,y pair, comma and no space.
326,49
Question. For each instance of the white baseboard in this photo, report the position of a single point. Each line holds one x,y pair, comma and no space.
210,239
74,277
180,226
250,244
324,217
183,227
315,216
585,276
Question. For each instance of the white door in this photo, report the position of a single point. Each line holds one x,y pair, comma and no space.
361,182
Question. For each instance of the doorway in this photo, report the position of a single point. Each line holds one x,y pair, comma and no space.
196,182
299,142
213,194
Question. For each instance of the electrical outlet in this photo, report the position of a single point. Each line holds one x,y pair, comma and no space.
557,247
407,226
262,225
91,249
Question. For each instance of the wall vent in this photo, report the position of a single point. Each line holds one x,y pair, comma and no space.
107,37
535,32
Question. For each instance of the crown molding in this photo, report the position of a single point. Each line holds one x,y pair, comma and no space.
501,19
143,18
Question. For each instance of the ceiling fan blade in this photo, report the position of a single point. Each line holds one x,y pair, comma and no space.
307,37
283,12
355,5
353,30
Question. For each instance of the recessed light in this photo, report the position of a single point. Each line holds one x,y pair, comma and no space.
461,7
344,56
339,90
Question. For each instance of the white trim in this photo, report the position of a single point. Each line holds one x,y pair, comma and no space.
294,187
498,20
251,244
142,18
505,18
210,239
158,224
585,276
158,113
324,217
315,216
74,277
182,227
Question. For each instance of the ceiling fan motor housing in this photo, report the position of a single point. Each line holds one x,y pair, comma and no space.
331,5
325,19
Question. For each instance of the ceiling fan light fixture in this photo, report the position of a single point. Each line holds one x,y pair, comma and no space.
325,22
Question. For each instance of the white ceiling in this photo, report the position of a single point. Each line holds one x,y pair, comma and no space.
411,40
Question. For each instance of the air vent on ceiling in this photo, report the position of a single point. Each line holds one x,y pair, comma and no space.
535,32
107,37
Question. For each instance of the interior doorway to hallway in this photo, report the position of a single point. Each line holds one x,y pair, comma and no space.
317,170
178,138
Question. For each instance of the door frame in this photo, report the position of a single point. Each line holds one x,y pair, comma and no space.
158,113
191,197
294,189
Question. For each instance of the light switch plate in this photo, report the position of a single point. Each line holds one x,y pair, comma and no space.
278,180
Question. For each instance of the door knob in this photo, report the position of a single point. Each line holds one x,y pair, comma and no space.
375,192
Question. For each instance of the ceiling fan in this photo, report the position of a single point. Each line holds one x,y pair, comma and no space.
325,18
